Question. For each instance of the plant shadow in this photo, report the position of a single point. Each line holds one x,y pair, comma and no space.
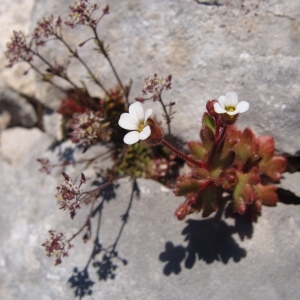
209,240
287,197
104,259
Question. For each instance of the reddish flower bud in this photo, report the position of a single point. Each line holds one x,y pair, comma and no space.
210,108
182,211
156,135
106,10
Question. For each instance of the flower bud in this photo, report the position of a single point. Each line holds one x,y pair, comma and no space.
182,211
210,108
156,135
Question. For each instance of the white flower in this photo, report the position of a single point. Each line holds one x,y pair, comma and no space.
229,104
135,120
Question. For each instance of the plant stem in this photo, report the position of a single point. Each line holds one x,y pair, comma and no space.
95,194
166,114
42,75
104,52
76,55
182,155
215,147
51,68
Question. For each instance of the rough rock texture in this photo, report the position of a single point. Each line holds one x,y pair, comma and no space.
165,258
21,111
251,47
209,50
15,15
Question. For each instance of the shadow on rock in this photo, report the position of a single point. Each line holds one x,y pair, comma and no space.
287,197
103,258
208,240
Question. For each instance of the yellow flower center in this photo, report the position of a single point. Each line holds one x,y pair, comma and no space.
141,126
230,108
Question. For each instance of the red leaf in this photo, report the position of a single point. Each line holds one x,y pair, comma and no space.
267,194
266,146
273,167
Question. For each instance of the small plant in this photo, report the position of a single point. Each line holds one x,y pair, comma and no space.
225,161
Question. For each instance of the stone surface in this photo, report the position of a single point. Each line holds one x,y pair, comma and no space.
21,111
5,118
15,15
52,124
166,259
209,49
18,144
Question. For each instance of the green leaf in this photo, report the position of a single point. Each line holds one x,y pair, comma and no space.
213,175
228,160
209,133
210,197
197,149
206,142
209,122
186,185
244,193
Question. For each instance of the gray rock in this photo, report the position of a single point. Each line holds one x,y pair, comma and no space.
20,144
5,118
208,55
251,47
166,259
52,124
15,15
21,111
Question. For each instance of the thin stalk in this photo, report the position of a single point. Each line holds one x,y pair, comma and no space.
41,74
183,156
166,114
86,222
215,147
75,54
100,44
95,194
50,66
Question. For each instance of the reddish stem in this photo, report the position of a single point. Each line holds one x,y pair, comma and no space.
215,147
182,155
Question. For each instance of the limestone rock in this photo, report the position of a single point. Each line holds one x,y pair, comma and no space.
251,47
52,124
156,257
21,111
20,144
15,15
5,118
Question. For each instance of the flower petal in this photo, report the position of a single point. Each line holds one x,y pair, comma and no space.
128,122
131,137
232,113
145,133
222,101
218,108
231,99
137,111
242,107
148,113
